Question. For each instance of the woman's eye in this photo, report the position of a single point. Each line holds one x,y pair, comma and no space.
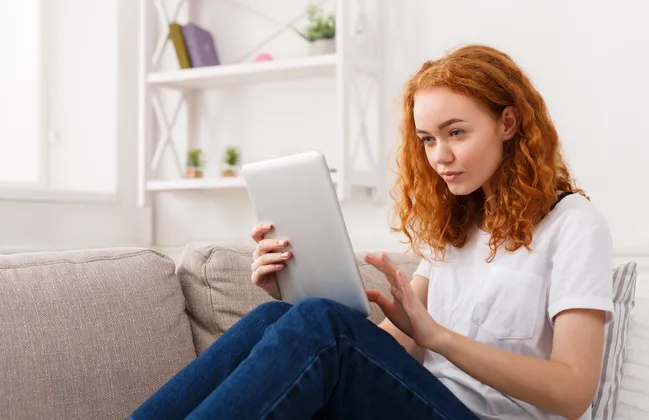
456,132
427,139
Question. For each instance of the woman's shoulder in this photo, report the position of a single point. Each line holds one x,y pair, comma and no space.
575,211
574,221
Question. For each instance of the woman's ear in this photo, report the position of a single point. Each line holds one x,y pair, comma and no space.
509,121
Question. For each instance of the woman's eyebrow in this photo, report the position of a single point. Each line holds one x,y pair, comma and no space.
441,126
449,122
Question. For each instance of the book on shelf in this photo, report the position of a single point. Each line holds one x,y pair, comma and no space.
200,46
178,40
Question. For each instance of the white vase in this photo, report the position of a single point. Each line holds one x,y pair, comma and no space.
322,46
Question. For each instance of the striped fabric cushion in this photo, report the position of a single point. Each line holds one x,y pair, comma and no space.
624,283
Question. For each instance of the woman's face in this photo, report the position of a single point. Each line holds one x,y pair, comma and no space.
463,141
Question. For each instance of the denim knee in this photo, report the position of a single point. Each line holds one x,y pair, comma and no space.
323,306
273,308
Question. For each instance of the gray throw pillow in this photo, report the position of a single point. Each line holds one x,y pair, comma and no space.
624,284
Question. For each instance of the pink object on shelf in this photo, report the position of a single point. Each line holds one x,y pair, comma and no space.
263,57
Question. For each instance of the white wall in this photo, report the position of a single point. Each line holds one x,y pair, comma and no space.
589,60
91,96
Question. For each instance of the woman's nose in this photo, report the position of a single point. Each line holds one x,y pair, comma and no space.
442,154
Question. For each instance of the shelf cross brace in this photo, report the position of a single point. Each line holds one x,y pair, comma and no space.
363,139
166,138
283,27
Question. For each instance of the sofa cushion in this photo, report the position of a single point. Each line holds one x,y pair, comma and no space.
632,402
615,343
88,334
216,282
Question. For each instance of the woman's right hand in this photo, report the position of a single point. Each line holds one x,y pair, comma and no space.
268,260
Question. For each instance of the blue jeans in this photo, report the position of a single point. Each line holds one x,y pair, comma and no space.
315,359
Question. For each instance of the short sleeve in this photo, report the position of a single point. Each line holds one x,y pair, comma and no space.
581,276
424,269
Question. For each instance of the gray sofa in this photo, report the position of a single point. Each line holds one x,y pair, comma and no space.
91,334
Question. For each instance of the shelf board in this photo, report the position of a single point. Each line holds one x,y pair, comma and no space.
203,184
247,73
197,184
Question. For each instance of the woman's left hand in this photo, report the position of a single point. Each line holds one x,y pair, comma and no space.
406,311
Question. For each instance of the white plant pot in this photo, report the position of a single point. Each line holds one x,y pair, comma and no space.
322,46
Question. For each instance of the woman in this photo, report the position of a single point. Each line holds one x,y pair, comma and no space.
510,300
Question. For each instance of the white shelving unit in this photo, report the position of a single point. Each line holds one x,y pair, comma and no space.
358,53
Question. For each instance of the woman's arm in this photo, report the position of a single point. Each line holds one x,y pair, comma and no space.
419,286
566,384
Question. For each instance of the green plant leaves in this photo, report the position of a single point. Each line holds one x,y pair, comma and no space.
320,26
195,158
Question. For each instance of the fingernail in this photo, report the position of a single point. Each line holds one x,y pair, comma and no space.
281,242
267,226
285,254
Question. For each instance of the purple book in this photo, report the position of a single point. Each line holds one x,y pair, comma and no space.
200,46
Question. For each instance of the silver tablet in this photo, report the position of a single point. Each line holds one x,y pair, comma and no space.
296,194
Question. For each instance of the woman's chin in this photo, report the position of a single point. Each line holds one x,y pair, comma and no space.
460,189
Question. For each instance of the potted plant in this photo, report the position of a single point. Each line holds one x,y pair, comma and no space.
194,163
320,32
231,157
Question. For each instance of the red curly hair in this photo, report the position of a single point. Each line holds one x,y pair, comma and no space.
525,185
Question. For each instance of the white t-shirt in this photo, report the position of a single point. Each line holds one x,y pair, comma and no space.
510,302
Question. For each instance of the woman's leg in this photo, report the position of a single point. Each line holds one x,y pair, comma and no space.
189,387
323,357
